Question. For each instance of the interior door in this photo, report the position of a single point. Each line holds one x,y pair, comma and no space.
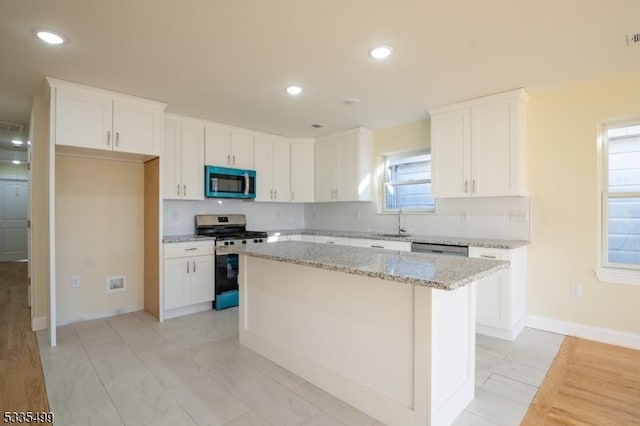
13,220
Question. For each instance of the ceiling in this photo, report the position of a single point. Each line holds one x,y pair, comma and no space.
229,61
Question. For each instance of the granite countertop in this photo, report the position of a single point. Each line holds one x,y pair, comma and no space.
186,238
433,239
430,270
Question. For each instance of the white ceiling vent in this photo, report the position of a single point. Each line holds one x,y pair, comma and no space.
11,127
633,39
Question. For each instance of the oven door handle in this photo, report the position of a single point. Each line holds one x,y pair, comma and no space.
246,183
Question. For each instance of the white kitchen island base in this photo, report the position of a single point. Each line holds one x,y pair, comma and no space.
401,353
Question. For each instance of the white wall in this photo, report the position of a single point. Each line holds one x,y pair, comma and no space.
178,216
99,233
485,218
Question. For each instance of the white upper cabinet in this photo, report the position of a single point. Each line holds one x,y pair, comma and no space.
343,166
92,118
229,148
183,160
302,171
478,147
272,165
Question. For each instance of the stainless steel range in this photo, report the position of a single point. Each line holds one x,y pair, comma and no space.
229,230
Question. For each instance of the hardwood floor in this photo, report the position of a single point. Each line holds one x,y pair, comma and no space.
21,381
589,383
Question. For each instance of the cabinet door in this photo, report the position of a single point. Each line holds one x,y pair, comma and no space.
175,282
137,128
217,148
324,171
451,151
83,120
242,150
192,153
494,151
171,160
201,279
492,306
302,172
347,185
281,171
264,168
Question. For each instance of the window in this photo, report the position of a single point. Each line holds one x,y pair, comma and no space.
407,183
620,208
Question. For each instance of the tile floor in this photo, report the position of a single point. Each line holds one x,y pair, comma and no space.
191,370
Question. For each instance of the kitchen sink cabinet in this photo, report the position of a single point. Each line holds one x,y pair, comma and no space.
478,147
183,160
188,274
302,171
229,148
86,117
501,297
273,167
343,166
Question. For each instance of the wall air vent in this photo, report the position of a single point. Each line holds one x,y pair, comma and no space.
11,127
633,39
116,284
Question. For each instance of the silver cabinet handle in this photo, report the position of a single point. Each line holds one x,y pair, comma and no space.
330,242
246,183
234,159
337,194
486,256
187,266
271,194
184,190
117,138
374,246
293,196
228,159
191,249
108,137
178,190
275,194
194,266
466,186
473,186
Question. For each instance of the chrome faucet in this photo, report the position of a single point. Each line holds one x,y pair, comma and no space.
401,230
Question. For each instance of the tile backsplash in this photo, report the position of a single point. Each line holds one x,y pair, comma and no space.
178,216
501,218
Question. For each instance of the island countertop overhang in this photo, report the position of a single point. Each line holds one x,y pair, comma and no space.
422,269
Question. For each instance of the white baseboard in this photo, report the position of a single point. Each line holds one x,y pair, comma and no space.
107,314
187,310
604,335
39,323
502,333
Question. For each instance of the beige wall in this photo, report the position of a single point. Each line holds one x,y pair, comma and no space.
99,233
40,282
562,162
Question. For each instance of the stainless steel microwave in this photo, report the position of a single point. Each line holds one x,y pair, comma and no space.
224,182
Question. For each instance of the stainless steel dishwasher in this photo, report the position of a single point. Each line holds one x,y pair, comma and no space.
447,249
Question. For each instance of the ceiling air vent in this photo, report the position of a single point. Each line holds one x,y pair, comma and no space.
11,127
633,39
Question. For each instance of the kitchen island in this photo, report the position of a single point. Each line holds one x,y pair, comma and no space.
391,333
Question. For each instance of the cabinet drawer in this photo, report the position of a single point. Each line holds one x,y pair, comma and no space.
489,253
172,250
332,240
383,244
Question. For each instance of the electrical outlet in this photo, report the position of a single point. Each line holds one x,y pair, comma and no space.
174,215
75,281
576,290
518,215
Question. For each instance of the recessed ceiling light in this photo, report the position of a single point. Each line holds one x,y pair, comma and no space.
351,101
316,126
380,52
15,161
294,90
17,142
49,37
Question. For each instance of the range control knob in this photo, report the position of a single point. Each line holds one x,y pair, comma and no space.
255,241
244,241
232,242
226,243
260,240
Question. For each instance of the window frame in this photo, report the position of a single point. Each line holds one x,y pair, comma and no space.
617,273
408,210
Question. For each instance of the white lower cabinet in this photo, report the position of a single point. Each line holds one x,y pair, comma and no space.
501,297
188,274
383,244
